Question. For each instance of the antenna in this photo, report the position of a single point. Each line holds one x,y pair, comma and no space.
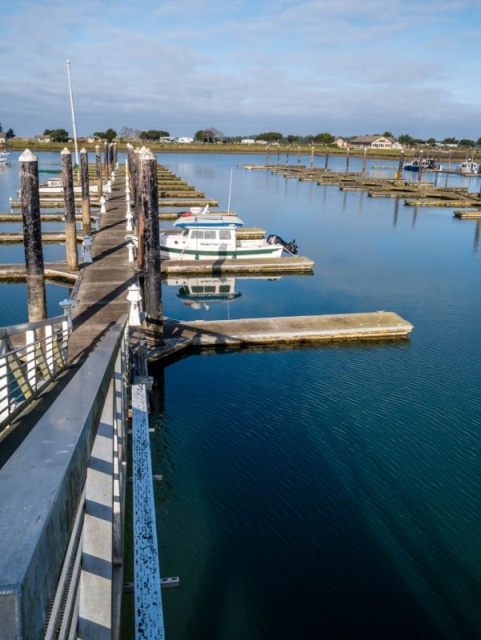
73,113
230,190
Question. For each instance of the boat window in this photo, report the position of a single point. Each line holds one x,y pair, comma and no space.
224,234
224,288
198,234
209,289
209,234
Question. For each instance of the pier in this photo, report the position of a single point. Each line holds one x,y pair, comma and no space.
81,381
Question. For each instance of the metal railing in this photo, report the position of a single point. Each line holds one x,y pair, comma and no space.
31,356
62,508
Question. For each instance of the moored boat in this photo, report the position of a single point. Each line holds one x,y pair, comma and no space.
4,157
197,243
470,168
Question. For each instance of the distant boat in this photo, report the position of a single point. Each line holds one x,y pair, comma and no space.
426,165
198,217
4,157
212,243
470,168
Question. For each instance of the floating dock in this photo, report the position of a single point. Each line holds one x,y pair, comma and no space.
378,325
292,264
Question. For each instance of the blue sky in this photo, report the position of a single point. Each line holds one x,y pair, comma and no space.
348,67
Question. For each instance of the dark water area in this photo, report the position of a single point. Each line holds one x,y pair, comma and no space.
329,492
334,491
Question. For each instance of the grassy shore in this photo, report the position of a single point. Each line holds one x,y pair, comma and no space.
294,150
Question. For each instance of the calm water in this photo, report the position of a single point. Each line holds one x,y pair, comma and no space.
331,492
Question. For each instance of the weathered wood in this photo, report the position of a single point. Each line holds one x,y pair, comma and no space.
29,195
69,200
84,176
152,287
98,170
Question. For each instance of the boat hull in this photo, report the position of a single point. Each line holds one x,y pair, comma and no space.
241,253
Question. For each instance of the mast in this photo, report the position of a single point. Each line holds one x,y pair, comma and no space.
73,114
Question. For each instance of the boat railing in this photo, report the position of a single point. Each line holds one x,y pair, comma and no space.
31,356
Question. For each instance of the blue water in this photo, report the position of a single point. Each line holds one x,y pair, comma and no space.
13,296
329,492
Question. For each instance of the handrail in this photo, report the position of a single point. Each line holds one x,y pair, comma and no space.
61,507
32,354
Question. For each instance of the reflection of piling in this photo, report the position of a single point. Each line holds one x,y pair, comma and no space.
84,175
32,232
347,160
152,286
69,202
326,162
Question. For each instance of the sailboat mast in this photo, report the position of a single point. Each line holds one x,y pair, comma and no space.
73,113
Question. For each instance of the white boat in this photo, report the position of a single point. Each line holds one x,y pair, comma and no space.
4,157
198,217
470,167
211,243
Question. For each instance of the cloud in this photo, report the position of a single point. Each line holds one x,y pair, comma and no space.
294,66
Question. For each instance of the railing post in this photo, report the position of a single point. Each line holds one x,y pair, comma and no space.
4,387
31,357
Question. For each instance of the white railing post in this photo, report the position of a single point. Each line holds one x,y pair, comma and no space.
4,387
49,357
30,349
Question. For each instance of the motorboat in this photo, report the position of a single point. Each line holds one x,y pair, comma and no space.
426,165
198,217
213,242
470,167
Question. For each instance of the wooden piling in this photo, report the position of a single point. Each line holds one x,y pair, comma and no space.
69,201
84,177
326,162
32,231
347,160
98,170
106,161
152,285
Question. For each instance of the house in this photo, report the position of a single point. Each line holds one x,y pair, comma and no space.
340,142
3,136
43,138
373,142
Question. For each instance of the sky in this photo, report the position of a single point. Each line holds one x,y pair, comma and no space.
299,67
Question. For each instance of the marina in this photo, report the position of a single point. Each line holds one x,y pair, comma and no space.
361,485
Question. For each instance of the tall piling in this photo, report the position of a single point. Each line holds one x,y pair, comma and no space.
326,162
152,285
98,171
32,233
71,258
84,177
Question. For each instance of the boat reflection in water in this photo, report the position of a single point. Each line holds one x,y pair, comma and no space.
202,291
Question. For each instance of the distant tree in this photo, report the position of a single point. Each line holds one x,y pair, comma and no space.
466,143
405,139
153,135
387,134
450,141
324,138
431,141
10,134
128,132
478,142
99,135
209,134
1,128
292,138
110,134
57,135
270,136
